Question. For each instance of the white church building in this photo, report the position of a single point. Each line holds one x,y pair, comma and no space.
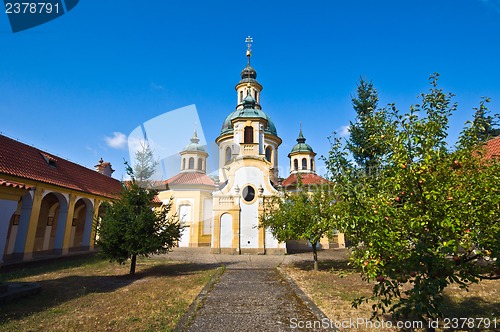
225,215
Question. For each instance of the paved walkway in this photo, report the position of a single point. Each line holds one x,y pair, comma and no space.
251,295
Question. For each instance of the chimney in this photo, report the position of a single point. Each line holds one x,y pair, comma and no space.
104,167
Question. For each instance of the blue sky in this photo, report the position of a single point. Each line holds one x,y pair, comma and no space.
76,85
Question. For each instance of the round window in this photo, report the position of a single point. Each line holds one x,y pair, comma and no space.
248,193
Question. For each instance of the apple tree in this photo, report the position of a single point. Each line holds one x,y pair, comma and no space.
430,214
307,213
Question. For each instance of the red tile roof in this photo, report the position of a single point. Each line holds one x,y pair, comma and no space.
14,184
26,162
191,178
307,179
493,148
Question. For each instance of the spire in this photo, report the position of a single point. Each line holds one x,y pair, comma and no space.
301,146
195,138
301,138
248,74
249,42
248,85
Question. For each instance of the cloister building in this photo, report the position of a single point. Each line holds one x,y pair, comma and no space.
48,204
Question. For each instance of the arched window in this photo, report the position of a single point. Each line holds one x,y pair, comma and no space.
312,165
248,135
269,153
183,163
191,163
296,164
228,154
241,96
200,164
304,163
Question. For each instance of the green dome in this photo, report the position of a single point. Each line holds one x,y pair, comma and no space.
194,146
301,145
248,111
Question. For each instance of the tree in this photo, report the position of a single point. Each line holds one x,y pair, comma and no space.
306,214
428,217
364,142
483,124
145,165
132,227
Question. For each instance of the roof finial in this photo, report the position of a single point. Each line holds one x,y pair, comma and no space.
301,138
249,42
195,134
195,138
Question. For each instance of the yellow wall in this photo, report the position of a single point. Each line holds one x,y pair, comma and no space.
196,199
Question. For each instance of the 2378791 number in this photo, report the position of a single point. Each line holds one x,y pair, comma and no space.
31,8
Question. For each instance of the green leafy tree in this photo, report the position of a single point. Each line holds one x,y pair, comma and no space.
132,226
308,214
428,218
364,141
145,165
483,126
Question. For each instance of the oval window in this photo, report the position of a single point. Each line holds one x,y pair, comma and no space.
248,193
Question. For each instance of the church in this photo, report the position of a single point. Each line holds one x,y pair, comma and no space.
48,204
224,214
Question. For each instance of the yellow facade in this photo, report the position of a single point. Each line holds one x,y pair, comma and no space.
29,232
195,199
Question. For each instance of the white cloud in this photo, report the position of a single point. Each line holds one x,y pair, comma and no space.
118,141
343,131
157,86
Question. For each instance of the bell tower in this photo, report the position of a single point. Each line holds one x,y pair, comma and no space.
248,132
248,172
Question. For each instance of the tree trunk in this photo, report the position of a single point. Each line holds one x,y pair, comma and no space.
132,263
315,255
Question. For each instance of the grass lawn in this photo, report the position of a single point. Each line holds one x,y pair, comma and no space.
91,294
335,285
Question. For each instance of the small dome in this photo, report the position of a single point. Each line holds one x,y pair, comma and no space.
248,75
301,145
194,146
248,72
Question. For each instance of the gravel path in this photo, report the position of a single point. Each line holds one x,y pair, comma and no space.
250,300
251,295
